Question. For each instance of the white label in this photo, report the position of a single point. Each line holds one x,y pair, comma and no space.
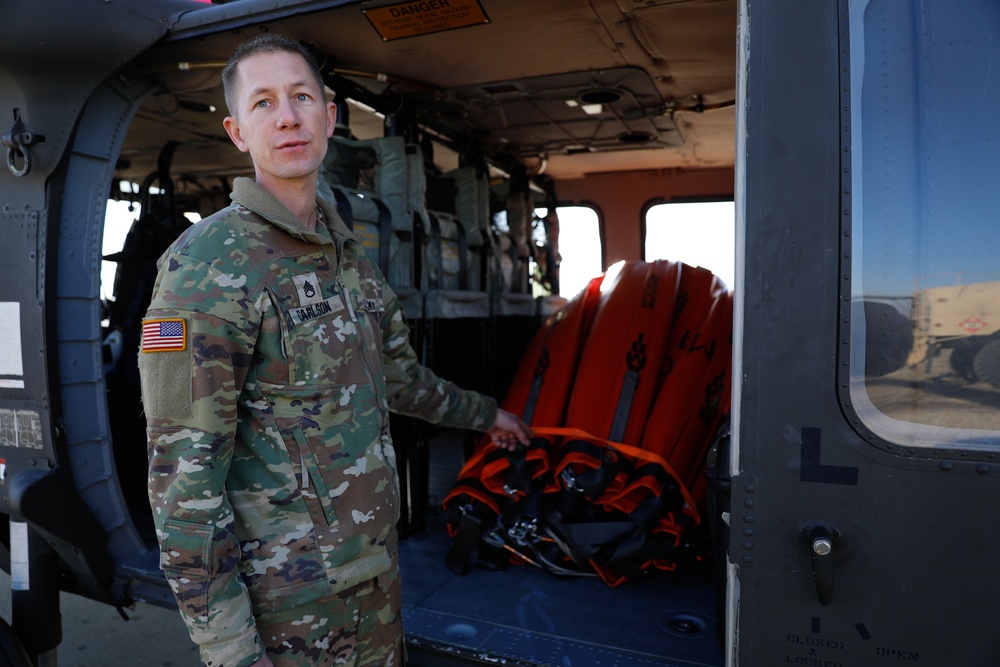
21,428
10,339
19,579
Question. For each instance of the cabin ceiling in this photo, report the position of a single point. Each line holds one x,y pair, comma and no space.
569,87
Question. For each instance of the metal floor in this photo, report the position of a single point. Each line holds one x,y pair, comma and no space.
525,616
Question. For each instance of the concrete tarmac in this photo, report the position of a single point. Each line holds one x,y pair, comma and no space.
94,634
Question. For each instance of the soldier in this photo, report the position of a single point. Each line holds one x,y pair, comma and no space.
271,354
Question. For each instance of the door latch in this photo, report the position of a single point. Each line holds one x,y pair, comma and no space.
822,539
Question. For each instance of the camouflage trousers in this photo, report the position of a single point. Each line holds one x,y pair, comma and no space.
358,627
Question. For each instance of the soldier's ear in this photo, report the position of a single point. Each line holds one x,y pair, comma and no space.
331,119
232,126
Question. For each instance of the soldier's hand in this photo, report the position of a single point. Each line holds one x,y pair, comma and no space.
263,662
508,430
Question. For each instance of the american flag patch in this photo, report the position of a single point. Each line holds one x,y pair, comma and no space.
164,336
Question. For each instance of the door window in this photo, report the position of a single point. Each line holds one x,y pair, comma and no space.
925,268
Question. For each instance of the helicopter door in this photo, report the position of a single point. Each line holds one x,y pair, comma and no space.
863,523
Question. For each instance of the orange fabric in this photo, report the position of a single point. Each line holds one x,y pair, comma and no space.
668,323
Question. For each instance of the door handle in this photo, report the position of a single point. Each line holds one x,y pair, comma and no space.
822,539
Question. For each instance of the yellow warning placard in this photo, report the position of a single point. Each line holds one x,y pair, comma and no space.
408,19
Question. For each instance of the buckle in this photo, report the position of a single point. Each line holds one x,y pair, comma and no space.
568,478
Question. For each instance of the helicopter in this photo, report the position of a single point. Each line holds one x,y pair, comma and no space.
842,513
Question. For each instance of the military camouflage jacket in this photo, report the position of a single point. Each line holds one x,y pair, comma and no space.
270,358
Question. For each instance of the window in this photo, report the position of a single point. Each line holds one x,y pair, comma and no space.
696,233
117,221
579,247
925,154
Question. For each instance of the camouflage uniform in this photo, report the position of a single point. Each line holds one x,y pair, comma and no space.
272,473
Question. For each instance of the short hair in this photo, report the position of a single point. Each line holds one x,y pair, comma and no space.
268,42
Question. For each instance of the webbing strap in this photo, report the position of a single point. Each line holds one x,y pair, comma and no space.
537,524
635,359
624,406
384,235
537,380
511,473
464,548
463,258
634,453
344,207
603,466
438,275
471,488
416,276
619,544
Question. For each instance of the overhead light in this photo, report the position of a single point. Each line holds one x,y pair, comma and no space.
600,96
592,108
635,137
200,107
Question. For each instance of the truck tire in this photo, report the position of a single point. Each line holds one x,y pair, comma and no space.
987,363
963,357
12,652
889,339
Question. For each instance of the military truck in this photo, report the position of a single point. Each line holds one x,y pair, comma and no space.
964,320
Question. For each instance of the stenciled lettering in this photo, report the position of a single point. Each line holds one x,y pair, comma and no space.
898,654
815,641
418,8
811,662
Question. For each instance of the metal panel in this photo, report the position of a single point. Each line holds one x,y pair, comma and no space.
846,554
53,199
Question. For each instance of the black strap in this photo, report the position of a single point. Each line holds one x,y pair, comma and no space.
670,490
384,235
581,530
537,380
344,208
463,257
635,359
417,278
464,550
593,482
437,275
516,284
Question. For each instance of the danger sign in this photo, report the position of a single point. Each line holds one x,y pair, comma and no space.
408,19
972,325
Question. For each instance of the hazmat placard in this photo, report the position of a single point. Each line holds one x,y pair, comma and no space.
409,19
